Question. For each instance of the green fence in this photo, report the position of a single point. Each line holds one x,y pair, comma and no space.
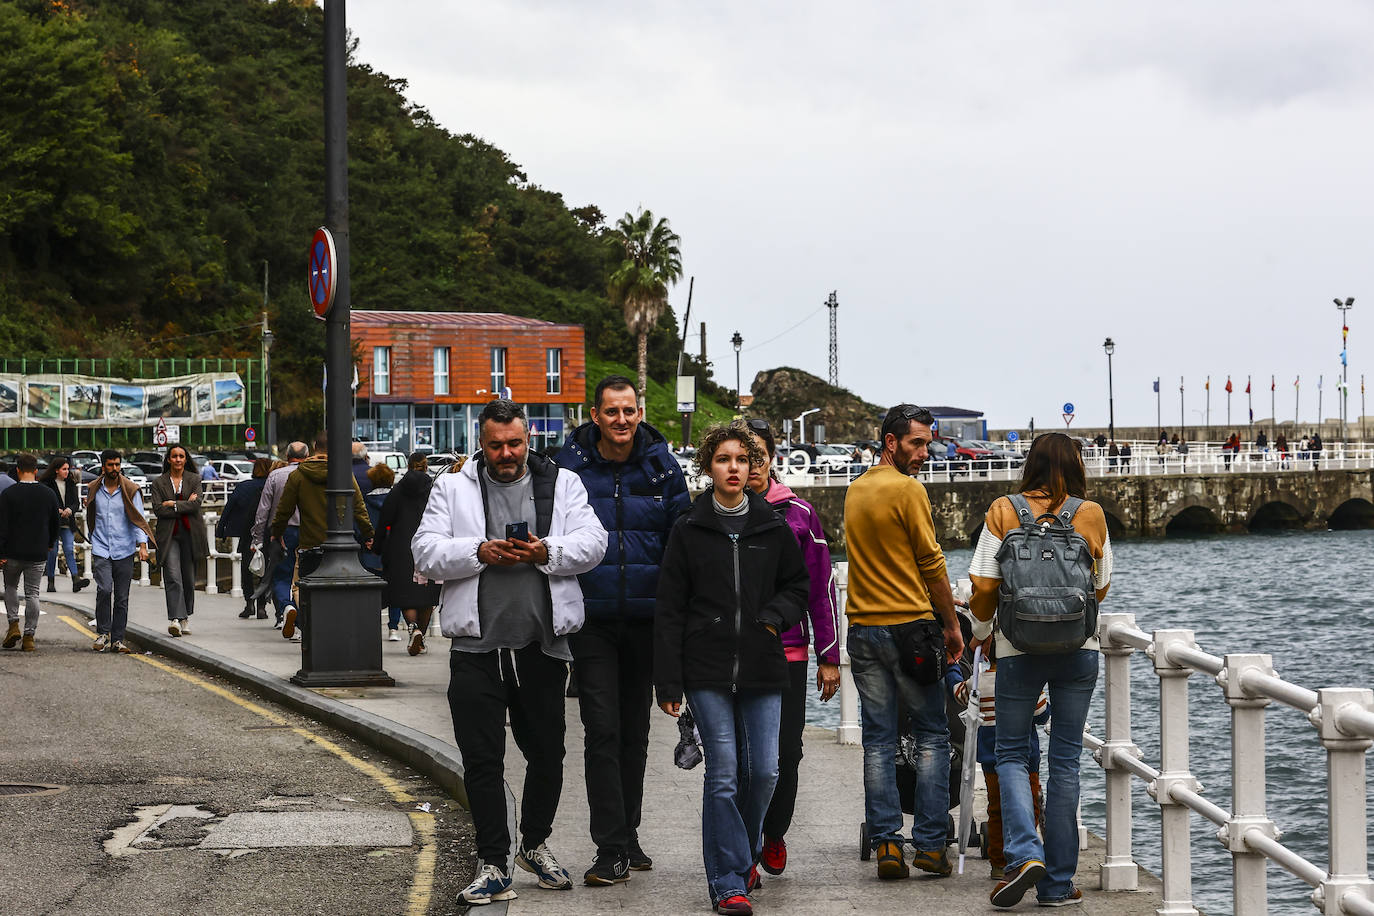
53,439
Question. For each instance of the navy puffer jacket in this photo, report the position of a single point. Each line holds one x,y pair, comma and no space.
637,502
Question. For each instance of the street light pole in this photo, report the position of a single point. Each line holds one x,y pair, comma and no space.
1110,348
1345,307
737,341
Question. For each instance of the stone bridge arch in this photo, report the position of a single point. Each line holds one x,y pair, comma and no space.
1278,515
1354,514
1190,517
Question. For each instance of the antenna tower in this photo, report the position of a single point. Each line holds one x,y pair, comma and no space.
833,304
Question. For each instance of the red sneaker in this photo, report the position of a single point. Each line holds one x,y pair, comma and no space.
737,905
752,881
774,858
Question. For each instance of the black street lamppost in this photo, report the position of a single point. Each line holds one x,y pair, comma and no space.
339,598
738,342
1345,308
1110,348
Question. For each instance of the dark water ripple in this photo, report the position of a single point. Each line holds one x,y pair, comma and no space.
1303,597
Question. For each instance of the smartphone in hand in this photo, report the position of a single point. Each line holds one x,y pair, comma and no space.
517,531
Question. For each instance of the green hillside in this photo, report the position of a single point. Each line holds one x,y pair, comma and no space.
161,156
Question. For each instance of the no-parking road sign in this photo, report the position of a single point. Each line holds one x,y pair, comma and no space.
323,278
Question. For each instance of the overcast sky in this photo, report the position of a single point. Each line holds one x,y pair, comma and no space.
992,188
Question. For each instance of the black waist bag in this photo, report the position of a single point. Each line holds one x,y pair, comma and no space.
921,650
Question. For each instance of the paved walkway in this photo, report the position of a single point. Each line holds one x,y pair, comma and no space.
824,875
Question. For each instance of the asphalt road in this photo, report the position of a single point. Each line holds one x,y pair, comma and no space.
126,736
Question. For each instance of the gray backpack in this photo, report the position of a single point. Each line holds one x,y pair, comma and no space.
1047,602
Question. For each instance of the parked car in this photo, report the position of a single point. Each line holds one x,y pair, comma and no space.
141,458
1001,453
93,471
232,468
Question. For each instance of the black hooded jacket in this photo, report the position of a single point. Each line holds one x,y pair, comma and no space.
716,596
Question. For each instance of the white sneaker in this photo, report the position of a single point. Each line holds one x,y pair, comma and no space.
541,863
393,636
174,627
490,884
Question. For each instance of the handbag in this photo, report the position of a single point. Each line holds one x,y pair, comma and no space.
257,563
920,650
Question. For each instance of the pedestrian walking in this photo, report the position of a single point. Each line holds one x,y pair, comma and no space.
283,573
118,532
1113,455
819,626
1126,458
1316,448
240,510
58,478
399,520
903,628
29,526
360,467
733,580
1281,446
508,535
180,535
304,497
1052,477
382,478
637,490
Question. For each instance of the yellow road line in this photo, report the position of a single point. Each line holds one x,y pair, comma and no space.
422,888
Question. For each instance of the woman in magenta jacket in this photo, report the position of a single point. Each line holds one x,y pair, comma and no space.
820,625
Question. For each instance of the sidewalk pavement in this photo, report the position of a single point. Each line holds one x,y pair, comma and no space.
410,720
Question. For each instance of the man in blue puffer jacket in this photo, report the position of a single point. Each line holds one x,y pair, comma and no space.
637,490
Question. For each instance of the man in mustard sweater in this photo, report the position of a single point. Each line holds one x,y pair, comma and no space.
900,604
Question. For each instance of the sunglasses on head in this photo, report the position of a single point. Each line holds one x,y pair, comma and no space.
919,414
757,425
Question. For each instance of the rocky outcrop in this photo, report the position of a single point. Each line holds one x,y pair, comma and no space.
783,393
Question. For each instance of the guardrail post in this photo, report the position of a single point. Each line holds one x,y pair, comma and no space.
1348,875
211,559
1175,844
1119,872
1248,790
849,730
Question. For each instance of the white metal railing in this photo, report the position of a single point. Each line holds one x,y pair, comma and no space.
1200,458
1343,717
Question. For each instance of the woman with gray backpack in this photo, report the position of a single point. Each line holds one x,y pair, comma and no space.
1041,566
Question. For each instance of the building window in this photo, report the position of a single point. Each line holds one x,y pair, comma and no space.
498,371
441,370
553,371
381,370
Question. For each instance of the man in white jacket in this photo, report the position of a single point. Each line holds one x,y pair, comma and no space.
508,536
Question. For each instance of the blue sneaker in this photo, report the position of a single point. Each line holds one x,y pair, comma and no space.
490,884
541,863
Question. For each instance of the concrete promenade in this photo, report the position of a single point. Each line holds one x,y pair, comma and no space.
824,875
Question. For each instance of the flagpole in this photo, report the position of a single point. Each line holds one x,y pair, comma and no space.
1250,409
1159,420
1319,405
1208,388
1273,411
1181,422
1297,400
1361,408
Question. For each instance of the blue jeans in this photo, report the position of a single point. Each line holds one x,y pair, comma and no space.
66,542
739,736
393,618
284,574
885,691
1070,677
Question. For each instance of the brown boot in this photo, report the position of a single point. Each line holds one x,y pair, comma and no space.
28,642
12,635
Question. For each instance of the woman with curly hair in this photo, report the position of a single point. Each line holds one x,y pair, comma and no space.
733,579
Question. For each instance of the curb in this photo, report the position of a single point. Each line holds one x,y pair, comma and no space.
439,761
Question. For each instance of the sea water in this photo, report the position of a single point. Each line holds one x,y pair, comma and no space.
1307,599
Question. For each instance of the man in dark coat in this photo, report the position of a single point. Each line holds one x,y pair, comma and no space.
637,490
396,526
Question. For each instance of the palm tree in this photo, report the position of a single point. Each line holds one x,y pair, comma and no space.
646,261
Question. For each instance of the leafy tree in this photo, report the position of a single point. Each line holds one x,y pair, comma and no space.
647,260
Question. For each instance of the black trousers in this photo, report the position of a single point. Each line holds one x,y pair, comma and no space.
483,688
615,673
250,581
779,817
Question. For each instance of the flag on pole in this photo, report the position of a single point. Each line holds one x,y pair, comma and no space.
1229,389
1343,362
1247,384
1207,385
1319,383
1345,330
1296,380
1272,383
1156,386
1252,415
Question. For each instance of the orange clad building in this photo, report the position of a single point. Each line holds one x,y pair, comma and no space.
423,377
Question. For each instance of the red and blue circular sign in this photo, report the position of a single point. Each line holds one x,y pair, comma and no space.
323,279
